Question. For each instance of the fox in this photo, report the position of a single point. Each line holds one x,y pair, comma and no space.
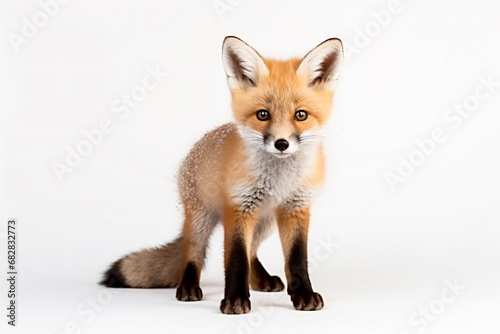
259,172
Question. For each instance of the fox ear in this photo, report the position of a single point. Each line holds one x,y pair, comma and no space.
243,65
322,64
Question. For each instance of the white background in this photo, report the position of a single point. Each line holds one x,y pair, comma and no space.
382,255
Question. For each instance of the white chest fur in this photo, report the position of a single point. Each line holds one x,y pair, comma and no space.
277,181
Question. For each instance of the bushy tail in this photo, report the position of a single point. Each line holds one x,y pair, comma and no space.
158,267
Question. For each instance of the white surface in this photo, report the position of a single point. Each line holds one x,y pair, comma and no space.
393,251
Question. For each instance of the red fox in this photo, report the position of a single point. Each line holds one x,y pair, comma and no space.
262,170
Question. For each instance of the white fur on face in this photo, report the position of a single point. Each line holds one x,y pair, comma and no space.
311,138
255,140
293,146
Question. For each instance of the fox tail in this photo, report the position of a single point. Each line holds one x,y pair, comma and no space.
158,267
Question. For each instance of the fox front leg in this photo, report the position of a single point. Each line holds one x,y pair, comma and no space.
238,227
293,225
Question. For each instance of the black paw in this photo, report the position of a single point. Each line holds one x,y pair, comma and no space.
269,284
189,292
235,305
307,300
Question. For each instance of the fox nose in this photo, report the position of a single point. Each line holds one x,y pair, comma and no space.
281,145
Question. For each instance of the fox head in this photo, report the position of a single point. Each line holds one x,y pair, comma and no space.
281,106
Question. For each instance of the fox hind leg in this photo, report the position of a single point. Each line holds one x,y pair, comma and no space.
198,226
260,279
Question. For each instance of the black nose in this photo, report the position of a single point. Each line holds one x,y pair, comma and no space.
281,144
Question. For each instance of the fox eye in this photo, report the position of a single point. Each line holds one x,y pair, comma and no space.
301,115
263,115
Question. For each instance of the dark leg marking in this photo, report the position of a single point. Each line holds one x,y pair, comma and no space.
299,288
189,289
262,281
236,293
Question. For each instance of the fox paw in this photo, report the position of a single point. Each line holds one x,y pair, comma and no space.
269,284
235,305
307,300
189,292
